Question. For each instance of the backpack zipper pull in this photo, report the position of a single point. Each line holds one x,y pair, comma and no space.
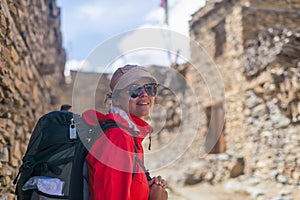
72,130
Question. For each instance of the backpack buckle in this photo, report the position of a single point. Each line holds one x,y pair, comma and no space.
72,130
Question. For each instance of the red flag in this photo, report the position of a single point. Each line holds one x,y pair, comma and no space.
163,3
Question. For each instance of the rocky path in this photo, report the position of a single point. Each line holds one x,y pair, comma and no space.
206,192
248,189
241,188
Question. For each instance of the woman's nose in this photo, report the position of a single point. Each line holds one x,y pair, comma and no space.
144,93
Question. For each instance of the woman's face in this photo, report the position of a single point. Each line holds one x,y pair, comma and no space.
138,106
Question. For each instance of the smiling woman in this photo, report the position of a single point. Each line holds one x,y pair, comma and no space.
134,91
116,160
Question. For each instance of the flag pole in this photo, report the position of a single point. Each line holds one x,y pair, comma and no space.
164,4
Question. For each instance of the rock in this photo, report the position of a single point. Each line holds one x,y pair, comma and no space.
209,176
4,156
253,181
282,198
285,192
255,192
282,178
238,168
259,110
192,179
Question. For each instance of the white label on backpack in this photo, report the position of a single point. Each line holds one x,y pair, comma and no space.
48,185
72,131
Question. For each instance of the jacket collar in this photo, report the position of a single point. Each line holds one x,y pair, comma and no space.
93,117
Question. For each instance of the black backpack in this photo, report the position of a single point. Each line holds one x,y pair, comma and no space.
55,157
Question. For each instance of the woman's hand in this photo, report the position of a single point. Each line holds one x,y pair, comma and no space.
158,189
158,181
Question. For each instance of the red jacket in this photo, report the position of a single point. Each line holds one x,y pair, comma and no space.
111,160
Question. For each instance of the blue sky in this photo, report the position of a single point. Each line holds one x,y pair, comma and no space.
88,24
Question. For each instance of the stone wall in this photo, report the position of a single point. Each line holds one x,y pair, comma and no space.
272,107
283,4
268,15
259,66
31,69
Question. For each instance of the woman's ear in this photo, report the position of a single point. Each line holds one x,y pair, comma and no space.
115,98
116,102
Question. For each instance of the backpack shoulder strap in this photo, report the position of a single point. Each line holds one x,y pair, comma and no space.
137,160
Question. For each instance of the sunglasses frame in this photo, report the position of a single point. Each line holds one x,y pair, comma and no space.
134,93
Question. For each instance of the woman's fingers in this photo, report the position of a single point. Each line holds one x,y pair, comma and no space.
159,181
151,182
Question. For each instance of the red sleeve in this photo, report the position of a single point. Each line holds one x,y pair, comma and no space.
110,164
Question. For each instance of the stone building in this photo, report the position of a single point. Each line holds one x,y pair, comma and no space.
31,72
248,67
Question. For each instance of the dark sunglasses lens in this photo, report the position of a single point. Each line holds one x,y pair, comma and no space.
133,95
151,89
135,91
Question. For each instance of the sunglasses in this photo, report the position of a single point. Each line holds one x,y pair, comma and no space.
136,90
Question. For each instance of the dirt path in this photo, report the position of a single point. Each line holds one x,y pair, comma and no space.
205,192
244,188
235,190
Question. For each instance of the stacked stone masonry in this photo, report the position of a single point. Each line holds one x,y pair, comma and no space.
259,67
31,70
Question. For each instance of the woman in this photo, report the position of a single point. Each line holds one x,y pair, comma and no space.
115,161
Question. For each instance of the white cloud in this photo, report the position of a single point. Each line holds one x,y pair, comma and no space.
144,58
150,45
82,65
72,65
167,41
